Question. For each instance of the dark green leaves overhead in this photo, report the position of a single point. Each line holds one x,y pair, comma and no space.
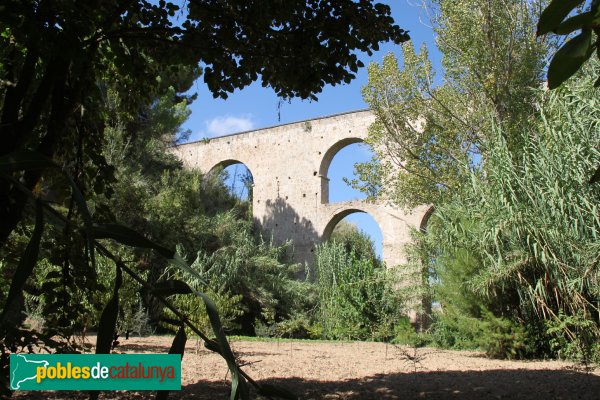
258,39
571,56
553,15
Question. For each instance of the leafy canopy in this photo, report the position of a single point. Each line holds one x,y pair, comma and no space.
54,56
58,60
427,136
570,19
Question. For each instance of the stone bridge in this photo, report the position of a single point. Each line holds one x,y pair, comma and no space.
289,164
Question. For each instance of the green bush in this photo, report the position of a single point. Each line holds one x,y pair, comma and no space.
406,334
573,337
501,338
358,299
497,337
454,331
298,326
520,239
255,274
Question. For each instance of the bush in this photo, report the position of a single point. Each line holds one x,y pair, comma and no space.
497,337
520,238
501,338
406,334
574,337
298,326
252,279
454,331
358,299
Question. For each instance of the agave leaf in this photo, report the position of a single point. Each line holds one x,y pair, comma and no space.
177,347
569,58
129,237
180,263
239,388
108,319
87,218
124,235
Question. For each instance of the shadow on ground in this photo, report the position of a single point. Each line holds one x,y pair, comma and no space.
492,384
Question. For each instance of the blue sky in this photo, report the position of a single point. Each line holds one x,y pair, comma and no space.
256,107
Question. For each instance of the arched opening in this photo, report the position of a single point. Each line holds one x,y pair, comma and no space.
428,304
425,219
355,221
338,167
236,177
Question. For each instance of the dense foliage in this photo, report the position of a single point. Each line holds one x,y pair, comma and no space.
526,228
256,277
579,22
79,83
427,134
54,55
358,296
511,249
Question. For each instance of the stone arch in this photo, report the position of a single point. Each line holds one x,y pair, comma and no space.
221,165
340,215
288,177
226,163
326,162
425,219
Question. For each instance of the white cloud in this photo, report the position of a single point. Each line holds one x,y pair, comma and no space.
224,125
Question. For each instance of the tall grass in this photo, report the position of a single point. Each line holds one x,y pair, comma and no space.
530,221
357,296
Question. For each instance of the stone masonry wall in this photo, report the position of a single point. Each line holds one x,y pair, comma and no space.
289,164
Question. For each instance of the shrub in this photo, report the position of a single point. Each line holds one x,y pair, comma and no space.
357,295
406,334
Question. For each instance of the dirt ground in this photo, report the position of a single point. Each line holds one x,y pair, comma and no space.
326,370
